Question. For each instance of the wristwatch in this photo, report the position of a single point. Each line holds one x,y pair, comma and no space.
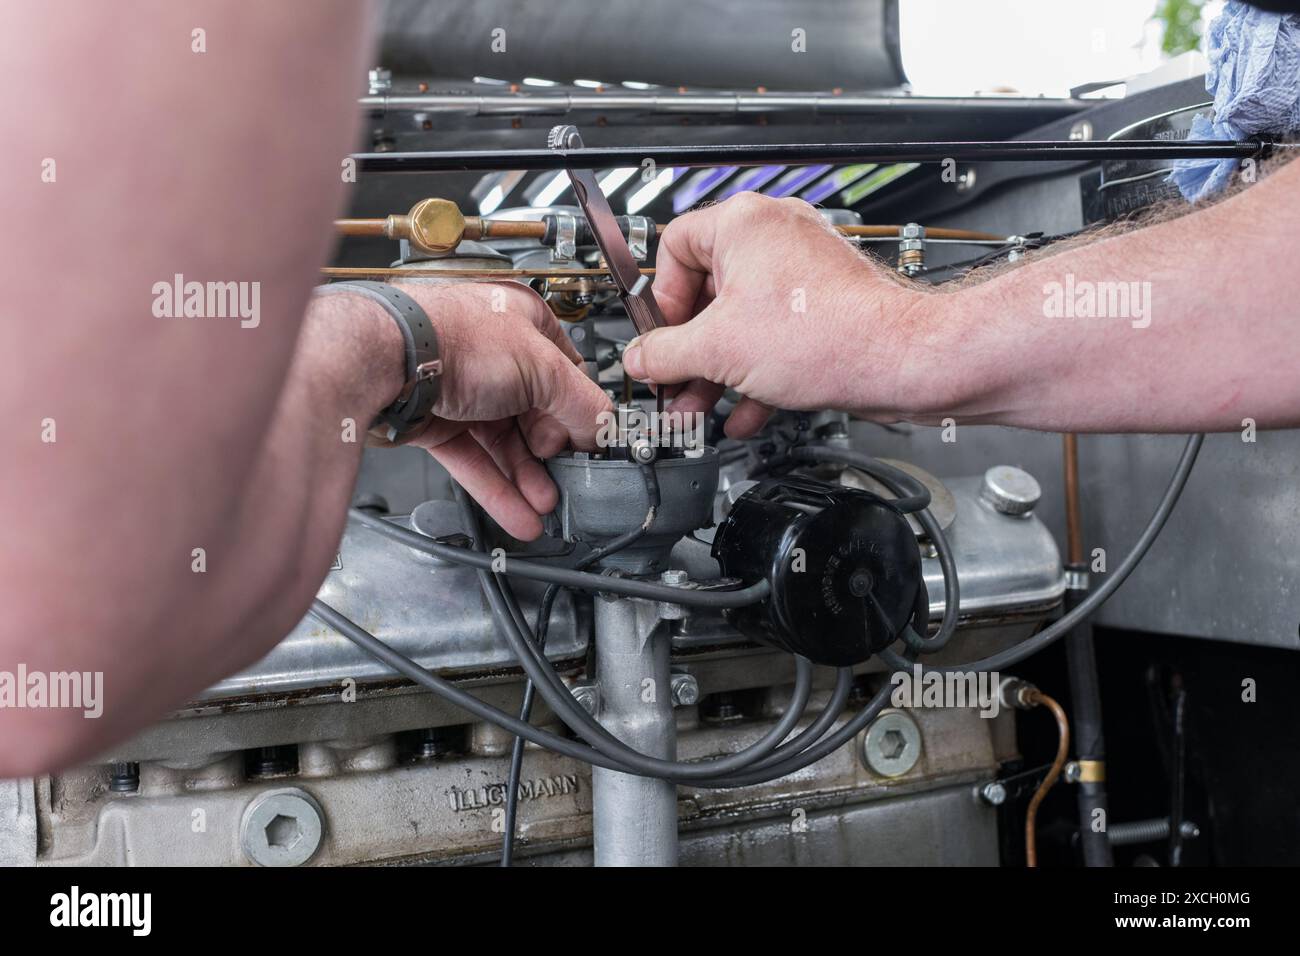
413,407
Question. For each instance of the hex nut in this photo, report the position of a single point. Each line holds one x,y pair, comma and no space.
685,690
437,226
994,794
282,828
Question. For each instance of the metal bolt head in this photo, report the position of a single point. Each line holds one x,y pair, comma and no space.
437,226
676,578
994,794
587,694
282,828
1010,490
1072,772
643,451
913,230
892,744
685,690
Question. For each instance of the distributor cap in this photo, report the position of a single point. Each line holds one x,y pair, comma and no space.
843,565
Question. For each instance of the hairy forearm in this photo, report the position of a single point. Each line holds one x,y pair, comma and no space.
229,593
1186,325
347,366
134,431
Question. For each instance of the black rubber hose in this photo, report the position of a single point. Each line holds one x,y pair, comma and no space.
562,745
811,754
1086,730
912,492
566,577
1004,660
809,735
412,671
560,700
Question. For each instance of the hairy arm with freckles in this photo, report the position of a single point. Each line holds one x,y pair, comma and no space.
1181,333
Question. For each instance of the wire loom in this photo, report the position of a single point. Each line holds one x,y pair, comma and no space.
768,759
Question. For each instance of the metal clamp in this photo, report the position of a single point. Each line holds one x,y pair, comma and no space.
566,237
638,237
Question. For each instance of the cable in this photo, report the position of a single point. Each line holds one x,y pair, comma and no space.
541,629
412,671
748,767
913,494
1014,655
916,498
1036,698
678,772
762,772
626,587
561,702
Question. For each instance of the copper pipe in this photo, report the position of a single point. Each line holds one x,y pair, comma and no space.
361,227
1037,698
379,272
1073,520
477,227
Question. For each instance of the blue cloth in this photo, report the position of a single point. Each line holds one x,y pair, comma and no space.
1254,76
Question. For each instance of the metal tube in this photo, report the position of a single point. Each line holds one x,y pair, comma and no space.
1085,684
634,819
524,102
592,157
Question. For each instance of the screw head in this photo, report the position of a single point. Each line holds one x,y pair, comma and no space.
587,694
892,744
282,828
685,690
994,794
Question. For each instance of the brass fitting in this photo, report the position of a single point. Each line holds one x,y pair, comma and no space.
432,227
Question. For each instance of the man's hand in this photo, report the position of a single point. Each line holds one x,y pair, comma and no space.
782,308
513,391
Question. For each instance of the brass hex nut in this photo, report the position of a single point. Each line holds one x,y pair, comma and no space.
436,226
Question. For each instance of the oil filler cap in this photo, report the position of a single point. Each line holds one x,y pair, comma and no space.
843,565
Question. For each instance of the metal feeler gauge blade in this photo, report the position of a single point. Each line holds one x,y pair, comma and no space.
633,287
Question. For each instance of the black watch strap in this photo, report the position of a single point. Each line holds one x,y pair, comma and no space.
414,405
